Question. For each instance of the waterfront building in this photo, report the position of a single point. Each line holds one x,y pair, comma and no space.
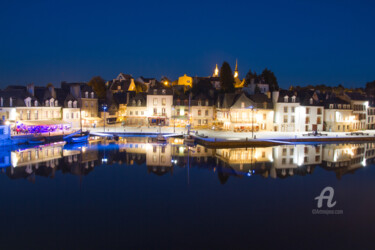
371,117
359,104
310,112
136,111
338,115
87,102
159,106
286,115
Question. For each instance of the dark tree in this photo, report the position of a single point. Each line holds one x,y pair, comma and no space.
226,78
370,88
98,85
270,78
250,76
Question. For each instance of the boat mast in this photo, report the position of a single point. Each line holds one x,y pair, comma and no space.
189,115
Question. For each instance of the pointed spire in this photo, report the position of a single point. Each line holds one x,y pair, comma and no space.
216,72
236,70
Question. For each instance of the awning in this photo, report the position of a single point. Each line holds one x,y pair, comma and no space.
44,122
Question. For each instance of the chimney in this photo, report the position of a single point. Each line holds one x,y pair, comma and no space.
75,90
51,89
30,89
275,96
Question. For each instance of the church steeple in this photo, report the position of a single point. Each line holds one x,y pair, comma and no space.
236,70
216,72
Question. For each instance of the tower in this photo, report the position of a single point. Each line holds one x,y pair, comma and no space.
236,70
216,72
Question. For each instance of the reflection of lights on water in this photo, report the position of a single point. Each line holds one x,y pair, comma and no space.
104,160
364,162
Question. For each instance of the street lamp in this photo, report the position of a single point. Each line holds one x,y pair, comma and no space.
252,121
104,109
174,119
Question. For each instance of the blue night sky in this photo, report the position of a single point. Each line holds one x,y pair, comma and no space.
303,42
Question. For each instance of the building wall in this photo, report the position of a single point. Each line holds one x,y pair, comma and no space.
286,117
309,118
38,113
339,120
162,104
371,118
136,116
202,116
71,115
90,107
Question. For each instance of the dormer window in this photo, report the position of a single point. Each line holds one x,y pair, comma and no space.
92,95
139,102
36,103
155,91
133,102
75,104
69,104
163,91
339,106
331,106
286,98
51,102
311,101
206,102
87,94
47,103
1,102
178,102
293,99
56,103
10,102
199,103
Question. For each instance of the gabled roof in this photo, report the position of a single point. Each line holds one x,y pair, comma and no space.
134,100
261,101
242,99
226,100
289,94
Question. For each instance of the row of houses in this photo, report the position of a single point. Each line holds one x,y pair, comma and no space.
245,110
189,100
62,107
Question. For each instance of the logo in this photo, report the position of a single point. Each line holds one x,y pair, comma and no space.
326,195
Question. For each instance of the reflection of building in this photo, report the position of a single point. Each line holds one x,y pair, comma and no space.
47,159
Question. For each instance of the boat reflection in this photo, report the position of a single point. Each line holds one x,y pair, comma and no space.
162,159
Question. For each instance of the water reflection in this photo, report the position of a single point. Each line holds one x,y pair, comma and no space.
161,159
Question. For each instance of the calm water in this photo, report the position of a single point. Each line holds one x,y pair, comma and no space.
138,194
